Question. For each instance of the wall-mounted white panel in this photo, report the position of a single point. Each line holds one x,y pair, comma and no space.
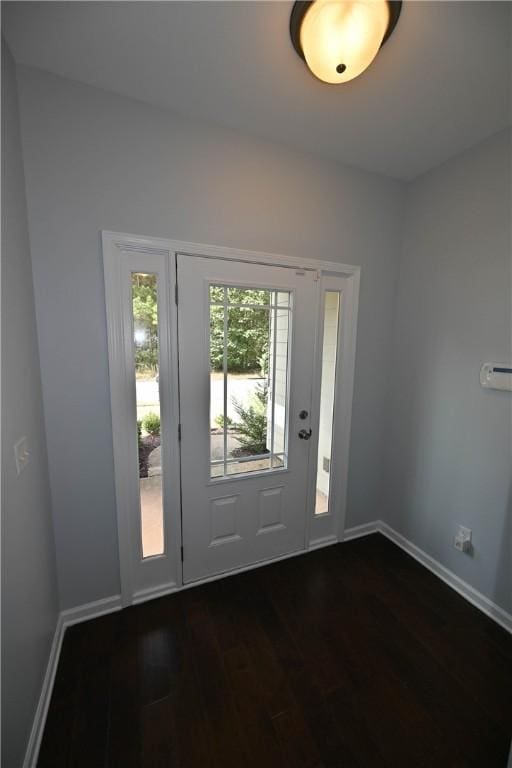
496,376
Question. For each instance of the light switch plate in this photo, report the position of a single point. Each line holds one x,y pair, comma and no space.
21,454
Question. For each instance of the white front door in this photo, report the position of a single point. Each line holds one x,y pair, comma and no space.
246,337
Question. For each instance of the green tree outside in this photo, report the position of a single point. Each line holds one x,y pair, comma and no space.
145,318
248,328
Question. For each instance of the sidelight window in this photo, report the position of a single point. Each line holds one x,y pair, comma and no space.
146,357
332,303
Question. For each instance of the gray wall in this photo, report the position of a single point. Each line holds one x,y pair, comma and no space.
96,161
448,440
29,588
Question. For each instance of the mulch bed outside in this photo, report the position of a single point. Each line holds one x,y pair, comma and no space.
146,446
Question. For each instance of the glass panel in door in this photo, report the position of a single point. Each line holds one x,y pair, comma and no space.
249,351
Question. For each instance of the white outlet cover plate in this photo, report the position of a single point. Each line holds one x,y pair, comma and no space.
464,533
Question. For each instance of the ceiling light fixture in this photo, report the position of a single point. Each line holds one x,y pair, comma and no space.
339,39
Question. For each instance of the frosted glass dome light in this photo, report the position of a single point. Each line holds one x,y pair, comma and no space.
339,39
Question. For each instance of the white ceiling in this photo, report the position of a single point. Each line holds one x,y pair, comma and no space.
440,84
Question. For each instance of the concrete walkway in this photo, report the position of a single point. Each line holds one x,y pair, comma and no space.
239,387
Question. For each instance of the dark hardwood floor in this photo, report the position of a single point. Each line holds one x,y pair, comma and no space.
353,655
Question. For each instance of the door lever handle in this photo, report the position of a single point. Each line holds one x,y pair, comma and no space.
305,434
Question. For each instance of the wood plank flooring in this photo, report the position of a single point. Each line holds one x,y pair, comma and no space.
352,656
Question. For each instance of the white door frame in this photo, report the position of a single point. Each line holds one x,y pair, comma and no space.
115,244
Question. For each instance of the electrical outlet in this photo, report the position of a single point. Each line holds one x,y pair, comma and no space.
462,540
21,455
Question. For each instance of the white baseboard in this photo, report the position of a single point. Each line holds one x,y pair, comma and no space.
36,734
152,593
325,541
471,594
109,604
66,619
361,530
91,610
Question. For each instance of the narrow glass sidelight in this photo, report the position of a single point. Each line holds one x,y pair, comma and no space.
147,386
332,304
249,354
